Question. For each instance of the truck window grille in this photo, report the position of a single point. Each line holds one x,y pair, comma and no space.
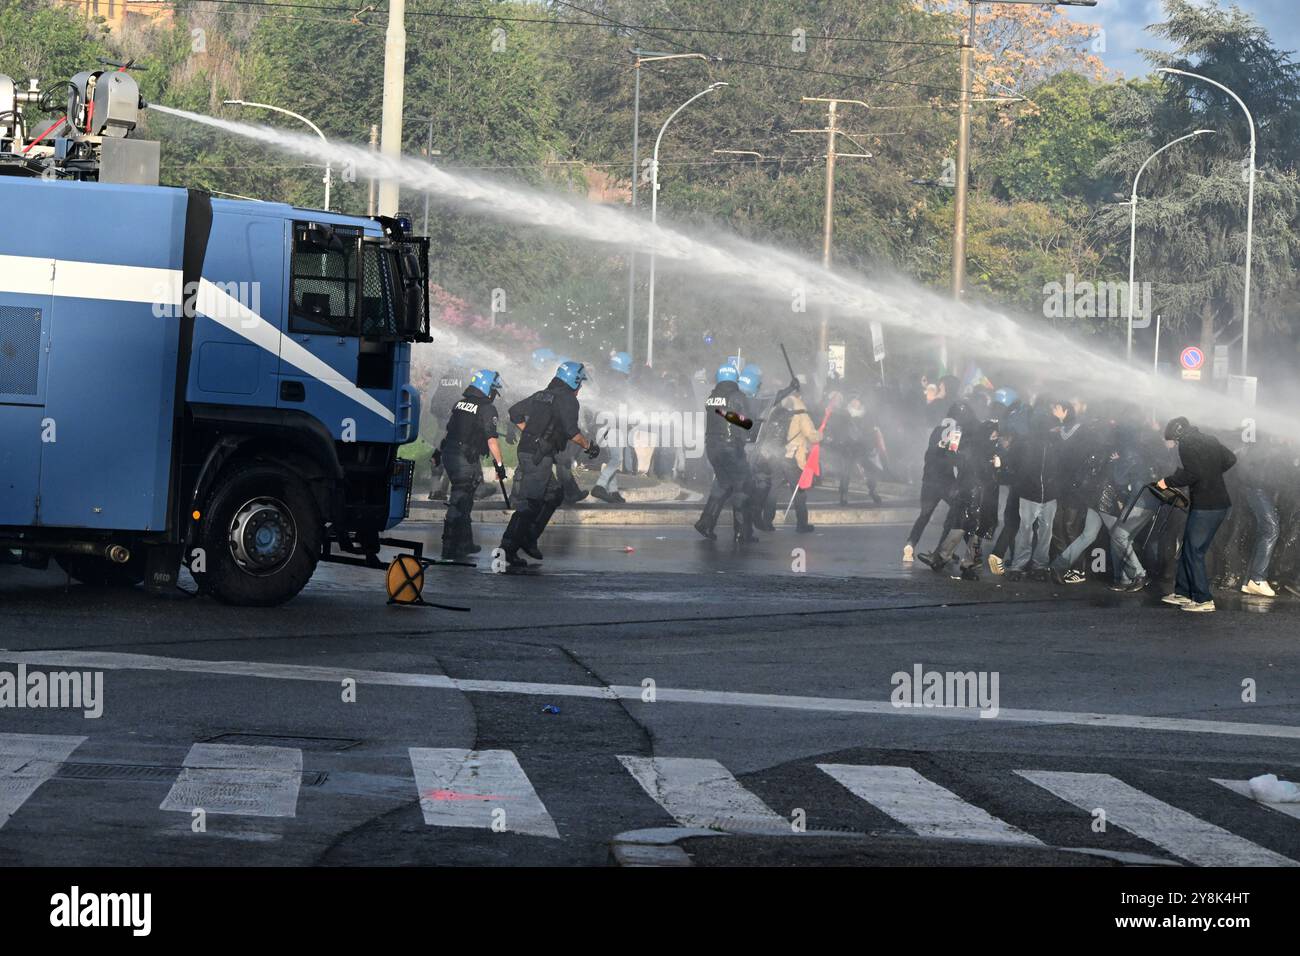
20,350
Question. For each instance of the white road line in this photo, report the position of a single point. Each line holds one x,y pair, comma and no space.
26,762
486,789
111,660
1243,787
923,806
1155,821
703,793
237,779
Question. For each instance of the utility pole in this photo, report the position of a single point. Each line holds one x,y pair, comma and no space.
373,202
394,87
430,152
832,131
963,160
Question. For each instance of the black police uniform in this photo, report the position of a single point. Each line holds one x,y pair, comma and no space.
446,392
724,446
473,421
551,420
767,462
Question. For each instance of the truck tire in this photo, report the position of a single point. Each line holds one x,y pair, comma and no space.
261,536
101,572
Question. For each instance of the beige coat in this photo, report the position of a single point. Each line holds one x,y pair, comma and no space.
802,434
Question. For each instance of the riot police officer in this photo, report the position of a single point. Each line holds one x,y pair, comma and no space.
549,421
447,389
471,434
724,446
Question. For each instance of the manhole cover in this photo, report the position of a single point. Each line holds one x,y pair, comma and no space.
328,744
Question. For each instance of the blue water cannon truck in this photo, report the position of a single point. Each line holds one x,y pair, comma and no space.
185,380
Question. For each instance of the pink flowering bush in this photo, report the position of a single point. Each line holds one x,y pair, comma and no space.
455,313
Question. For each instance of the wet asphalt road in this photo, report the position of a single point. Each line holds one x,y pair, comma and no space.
694,686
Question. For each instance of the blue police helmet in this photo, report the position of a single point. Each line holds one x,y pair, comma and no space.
572,374
542,358
487,381
621,362
1006,396
750,380
728,373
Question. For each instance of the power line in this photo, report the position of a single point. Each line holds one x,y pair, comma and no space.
760,64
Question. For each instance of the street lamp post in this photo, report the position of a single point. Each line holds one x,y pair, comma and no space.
1132,233
654,218
1250,210
642,56
316,129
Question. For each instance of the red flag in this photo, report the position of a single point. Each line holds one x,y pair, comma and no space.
813,468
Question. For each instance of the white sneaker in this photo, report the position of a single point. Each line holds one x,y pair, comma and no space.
1258,588
1075,577
1202,607
996,565
909,554
1177,600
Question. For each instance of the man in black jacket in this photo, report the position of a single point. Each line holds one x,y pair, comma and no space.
1202,463
938,475
1035,471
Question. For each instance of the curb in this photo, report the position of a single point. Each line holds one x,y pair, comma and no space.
488,511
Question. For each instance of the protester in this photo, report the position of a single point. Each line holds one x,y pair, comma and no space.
1202,463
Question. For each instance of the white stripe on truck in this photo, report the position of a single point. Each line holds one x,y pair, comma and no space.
31,275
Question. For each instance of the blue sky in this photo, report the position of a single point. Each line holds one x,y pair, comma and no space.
1125,23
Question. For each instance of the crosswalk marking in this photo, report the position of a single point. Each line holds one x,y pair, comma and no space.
26,762
1155,821
923,806
1243,787
478,788
238,779
702,793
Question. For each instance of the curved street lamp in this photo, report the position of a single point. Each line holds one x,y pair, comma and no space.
1250,207
316,129
654,217
1132,232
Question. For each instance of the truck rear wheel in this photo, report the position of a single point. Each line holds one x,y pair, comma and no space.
101,572
261,537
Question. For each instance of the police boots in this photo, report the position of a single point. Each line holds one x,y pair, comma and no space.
743,524
709,518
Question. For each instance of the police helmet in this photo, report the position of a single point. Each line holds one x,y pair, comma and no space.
728,373
750,380
487,381
1006,396
621,362
572,374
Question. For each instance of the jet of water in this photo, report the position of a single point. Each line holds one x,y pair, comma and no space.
757,268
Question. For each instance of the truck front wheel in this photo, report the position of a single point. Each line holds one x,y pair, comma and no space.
260,537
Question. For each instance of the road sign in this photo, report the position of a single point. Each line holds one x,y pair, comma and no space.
1192,358
877,342
1191,375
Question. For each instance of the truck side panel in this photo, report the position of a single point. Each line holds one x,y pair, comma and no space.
26,299
112,339
245,261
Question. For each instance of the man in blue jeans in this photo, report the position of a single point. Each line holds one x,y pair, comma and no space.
1202,463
